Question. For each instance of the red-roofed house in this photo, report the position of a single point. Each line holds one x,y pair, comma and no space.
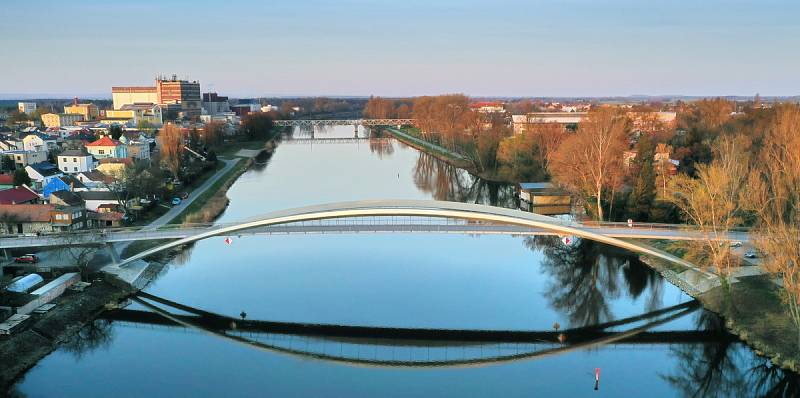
18,195
106,147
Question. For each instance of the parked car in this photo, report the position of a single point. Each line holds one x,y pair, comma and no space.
176,201
27,258
736,244
184,195
751,254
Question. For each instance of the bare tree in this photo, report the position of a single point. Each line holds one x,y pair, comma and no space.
775,191
587,162
715,202
170,142
80,248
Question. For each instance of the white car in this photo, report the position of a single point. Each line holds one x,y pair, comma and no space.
736,244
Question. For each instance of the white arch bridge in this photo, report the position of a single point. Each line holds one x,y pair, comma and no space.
389,216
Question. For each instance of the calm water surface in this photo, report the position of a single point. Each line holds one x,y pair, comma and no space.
403,280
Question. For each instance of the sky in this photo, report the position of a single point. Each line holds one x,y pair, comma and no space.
245,48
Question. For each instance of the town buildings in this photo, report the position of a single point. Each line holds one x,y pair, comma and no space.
75,161
87,111
106,147
39,142
61,119
27,108
488,107
522,123
133,95
41,174
134,114
171,94
22,158
214,104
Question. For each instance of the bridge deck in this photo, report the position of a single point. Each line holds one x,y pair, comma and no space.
352,226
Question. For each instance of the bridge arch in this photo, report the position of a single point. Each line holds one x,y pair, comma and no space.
424,208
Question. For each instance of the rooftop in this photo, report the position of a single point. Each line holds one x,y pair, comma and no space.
74,152
95,175
46,169
26,212
17,195
105,141
68,198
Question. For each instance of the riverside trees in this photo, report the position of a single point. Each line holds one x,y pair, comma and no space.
589,162
716,201
170,142
775,190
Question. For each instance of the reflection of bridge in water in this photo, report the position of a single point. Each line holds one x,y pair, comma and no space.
414,347
345,122
336,140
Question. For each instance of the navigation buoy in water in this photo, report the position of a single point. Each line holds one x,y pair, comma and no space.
228,240
596,378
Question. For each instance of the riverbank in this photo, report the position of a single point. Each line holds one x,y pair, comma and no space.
21,351
210,204
445,155
753,310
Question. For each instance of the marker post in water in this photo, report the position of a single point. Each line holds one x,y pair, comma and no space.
596,378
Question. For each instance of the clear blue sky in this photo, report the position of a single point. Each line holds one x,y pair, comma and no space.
405,47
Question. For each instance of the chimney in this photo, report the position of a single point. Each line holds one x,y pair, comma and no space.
75,101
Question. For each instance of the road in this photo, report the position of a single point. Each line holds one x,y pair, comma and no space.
176,210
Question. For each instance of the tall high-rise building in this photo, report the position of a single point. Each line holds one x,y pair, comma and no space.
172,93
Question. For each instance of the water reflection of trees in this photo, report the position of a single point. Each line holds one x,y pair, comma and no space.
727,368
96,334
262,160
447,182
586,277
381,147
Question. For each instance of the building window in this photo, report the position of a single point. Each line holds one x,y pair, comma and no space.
74,159
102,151
75,169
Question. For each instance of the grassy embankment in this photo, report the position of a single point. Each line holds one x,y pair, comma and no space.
754,310
211,203
411,136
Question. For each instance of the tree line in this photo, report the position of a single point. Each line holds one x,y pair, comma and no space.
721,165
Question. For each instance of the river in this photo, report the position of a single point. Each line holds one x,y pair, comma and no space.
491,282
